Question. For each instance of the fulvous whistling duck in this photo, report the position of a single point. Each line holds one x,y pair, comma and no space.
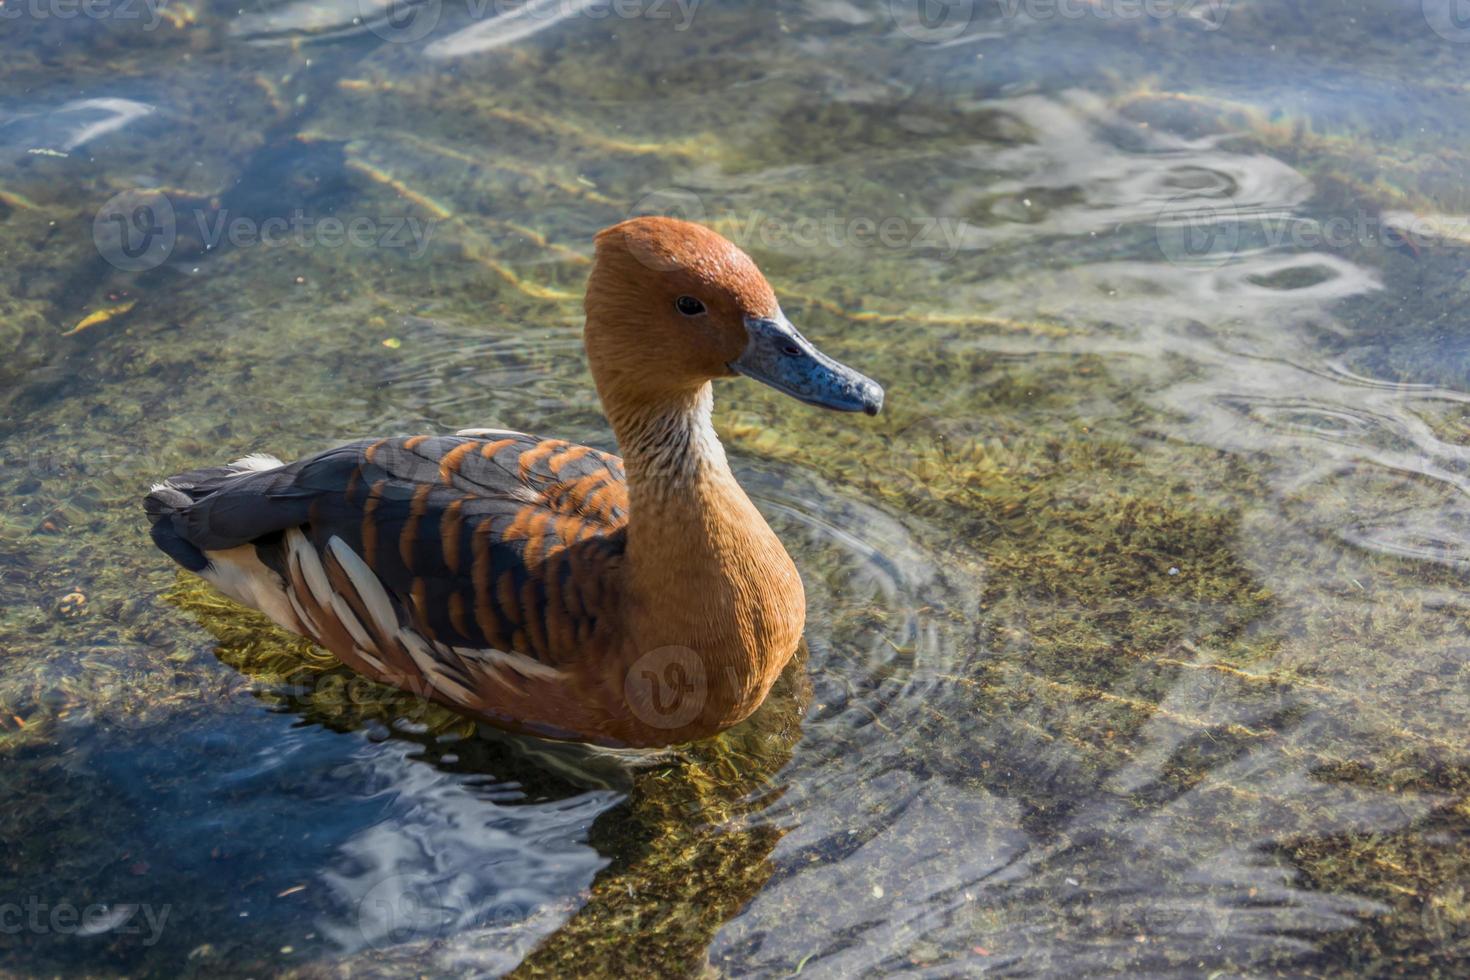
537,585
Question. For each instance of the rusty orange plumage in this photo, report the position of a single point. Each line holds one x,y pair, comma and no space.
536,584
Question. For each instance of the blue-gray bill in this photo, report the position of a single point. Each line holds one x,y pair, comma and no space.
781,357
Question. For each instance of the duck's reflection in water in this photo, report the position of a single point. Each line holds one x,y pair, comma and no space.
482,846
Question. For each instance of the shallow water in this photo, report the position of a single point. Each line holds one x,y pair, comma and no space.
1137,634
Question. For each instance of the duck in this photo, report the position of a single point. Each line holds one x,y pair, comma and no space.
536,585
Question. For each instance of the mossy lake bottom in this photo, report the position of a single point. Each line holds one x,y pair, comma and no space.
1138,635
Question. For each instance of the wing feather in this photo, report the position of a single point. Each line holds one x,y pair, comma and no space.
430,548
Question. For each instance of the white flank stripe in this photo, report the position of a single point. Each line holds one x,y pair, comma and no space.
256,463
520,663
371,661
310,564
349,622
303,615
369,589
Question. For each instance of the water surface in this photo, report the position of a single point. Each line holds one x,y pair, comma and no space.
1138,631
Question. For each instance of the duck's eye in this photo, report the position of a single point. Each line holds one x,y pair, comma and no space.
689,306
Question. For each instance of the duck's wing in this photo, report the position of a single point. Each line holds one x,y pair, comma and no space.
497,547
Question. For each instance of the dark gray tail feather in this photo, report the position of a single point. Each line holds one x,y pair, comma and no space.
167,506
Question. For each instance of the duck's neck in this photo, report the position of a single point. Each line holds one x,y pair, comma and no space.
703,570
688,518
668,443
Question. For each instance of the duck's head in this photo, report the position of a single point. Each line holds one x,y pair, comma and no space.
672,305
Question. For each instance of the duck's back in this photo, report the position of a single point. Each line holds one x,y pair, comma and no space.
496,548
